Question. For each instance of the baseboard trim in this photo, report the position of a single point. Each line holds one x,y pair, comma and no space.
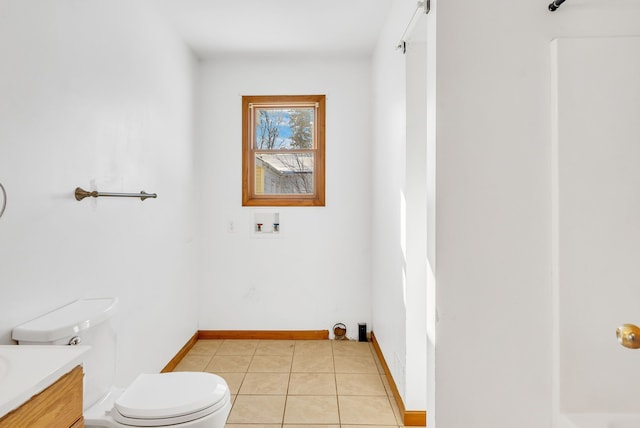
415,418
265,334
171,365
410,418
244,334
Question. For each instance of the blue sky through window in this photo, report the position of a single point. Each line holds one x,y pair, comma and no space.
273,128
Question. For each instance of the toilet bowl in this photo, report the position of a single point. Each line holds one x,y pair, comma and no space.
176,400
179,399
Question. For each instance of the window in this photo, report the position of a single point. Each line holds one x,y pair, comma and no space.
283,150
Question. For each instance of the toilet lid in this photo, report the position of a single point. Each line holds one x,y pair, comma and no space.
170,395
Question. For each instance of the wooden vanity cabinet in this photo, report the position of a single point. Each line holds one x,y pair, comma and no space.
58,406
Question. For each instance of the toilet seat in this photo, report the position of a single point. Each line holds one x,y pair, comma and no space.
154,400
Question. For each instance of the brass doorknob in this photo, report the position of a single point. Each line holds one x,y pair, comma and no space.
628,336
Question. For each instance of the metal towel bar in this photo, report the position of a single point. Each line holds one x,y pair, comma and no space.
81,194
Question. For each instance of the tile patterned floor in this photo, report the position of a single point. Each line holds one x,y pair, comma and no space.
299,383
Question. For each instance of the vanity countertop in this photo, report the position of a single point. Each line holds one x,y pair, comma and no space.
28,370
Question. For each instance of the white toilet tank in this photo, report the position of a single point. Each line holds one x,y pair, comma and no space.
86,322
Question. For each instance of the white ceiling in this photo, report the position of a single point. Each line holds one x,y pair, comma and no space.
223,27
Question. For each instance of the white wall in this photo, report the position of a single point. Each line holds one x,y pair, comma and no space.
431,121
101,93
416,225
399,200
493,248
317,272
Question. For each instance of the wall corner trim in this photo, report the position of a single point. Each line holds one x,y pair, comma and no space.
410,417
171,365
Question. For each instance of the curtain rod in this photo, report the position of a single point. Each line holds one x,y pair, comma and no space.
425,6
555,5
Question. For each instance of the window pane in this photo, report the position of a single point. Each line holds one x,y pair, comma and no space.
284,173
284,128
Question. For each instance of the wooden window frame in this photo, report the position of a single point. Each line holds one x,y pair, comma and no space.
249,196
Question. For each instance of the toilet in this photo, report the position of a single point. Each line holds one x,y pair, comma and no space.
176,400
